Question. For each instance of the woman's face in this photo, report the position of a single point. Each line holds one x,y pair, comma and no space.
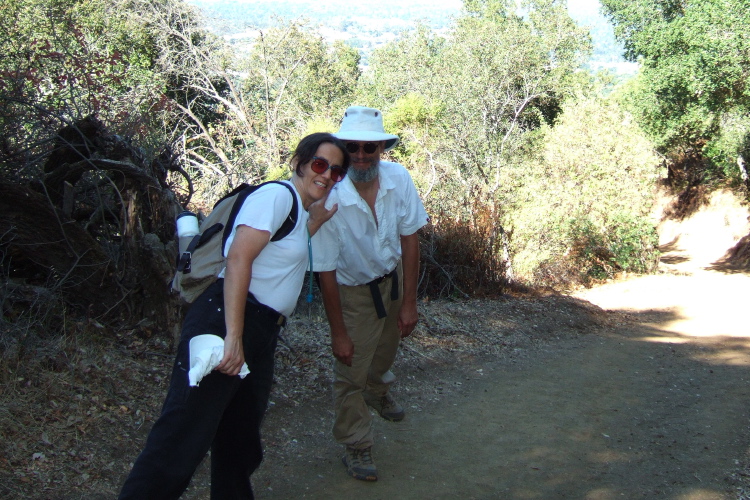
314,186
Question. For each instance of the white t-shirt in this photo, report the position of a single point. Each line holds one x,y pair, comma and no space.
279,269
352,244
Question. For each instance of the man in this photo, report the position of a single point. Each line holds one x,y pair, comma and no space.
367,257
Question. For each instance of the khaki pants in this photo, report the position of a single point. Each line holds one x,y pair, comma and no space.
376,342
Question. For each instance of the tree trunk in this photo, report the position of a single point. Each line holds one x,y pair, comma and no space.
99,231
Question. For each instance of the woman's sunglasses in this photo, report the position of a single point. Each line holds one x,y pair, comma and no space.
320,165
368,147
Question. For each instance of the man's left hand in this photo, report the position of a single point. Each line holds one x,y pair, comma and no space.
407,319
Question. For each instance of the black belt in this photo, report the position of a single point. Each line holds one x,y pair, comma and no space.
272,313
269,312
375,292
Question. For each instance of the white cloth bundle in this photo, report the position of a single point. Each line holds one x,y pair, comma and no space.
206,352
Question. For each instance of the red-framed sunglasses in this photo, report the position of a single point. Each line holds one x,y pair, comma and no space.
320,165
368,147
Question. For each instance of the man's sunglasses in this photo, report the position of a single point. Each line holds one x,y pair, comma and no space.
320,165
368,147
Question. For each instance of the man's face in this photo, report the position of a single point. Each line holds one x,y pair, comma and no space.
365,159
365,153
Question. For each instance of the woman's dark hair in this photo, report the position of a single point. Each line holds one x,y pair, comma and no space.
309,145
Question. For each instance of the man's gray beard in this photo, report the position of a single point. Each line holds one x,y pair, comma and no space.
368,175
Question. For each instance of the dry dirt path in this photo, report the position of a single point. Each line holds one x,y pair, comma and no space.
656,407
654,403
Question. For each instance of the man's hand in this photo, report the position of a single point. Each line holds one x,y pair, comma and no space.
343,348
407,319
234,357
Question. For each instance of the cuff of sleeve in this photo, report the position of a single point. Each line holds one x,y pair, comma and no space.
323,266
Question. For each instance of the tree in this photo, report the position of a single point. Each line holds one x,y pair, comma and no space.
236,115
406,65
694,56
505,74
291,77
63,61
583,204
465,104
498,75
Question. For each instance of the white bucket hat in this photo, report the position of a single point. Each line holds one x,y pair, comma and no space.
365,124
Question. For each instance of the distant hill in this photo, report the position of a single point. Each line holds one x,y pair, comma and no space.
366,25
391,15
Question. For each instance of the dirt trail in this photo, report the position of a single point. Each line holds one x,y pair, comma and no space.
655,407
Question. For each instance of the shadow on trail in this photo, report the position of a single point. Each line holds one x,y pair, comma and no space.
637,411
728,268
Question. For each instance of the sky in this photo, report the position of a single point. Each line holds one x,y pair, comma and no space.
582,7
582,11
590,7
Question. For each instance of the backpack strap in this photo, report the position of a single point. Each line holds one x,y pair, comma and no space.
244,191
291,220
183,264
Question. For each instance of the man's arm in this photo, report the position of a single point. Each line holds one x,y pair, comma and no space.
341,343
408,316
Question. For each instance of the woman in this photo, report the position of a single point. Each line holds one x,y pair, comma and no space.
247,306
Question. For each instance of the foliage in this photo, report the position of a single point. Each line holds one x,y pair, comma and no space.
626,242
585,200
693,83
292,75
730,148
62,61
462,247
503,75
497,76
238,114
478,111
407,65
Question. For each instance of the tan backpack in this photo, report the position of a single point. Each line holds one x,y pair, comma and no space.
201,257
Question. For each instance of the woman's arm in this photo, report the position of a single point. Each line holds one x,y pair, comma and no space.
246,246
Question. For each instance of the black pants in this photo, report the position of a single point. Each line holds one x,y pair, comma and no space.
223,413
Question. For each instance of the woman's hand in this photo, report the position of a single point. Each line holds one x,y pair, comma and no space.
319,214
234,357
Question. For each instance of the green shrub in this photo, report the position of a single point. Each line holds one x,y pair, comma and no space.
732,141
633,241
624,243
579,210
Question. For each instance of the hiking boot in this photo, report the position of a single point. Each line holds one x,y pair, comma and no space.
359,464
386,406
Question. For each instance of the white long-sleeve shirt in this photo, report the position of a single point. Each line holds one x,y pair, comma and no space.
352,243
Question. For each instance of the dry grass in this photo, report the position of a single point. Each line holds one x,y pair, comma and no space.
70,412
